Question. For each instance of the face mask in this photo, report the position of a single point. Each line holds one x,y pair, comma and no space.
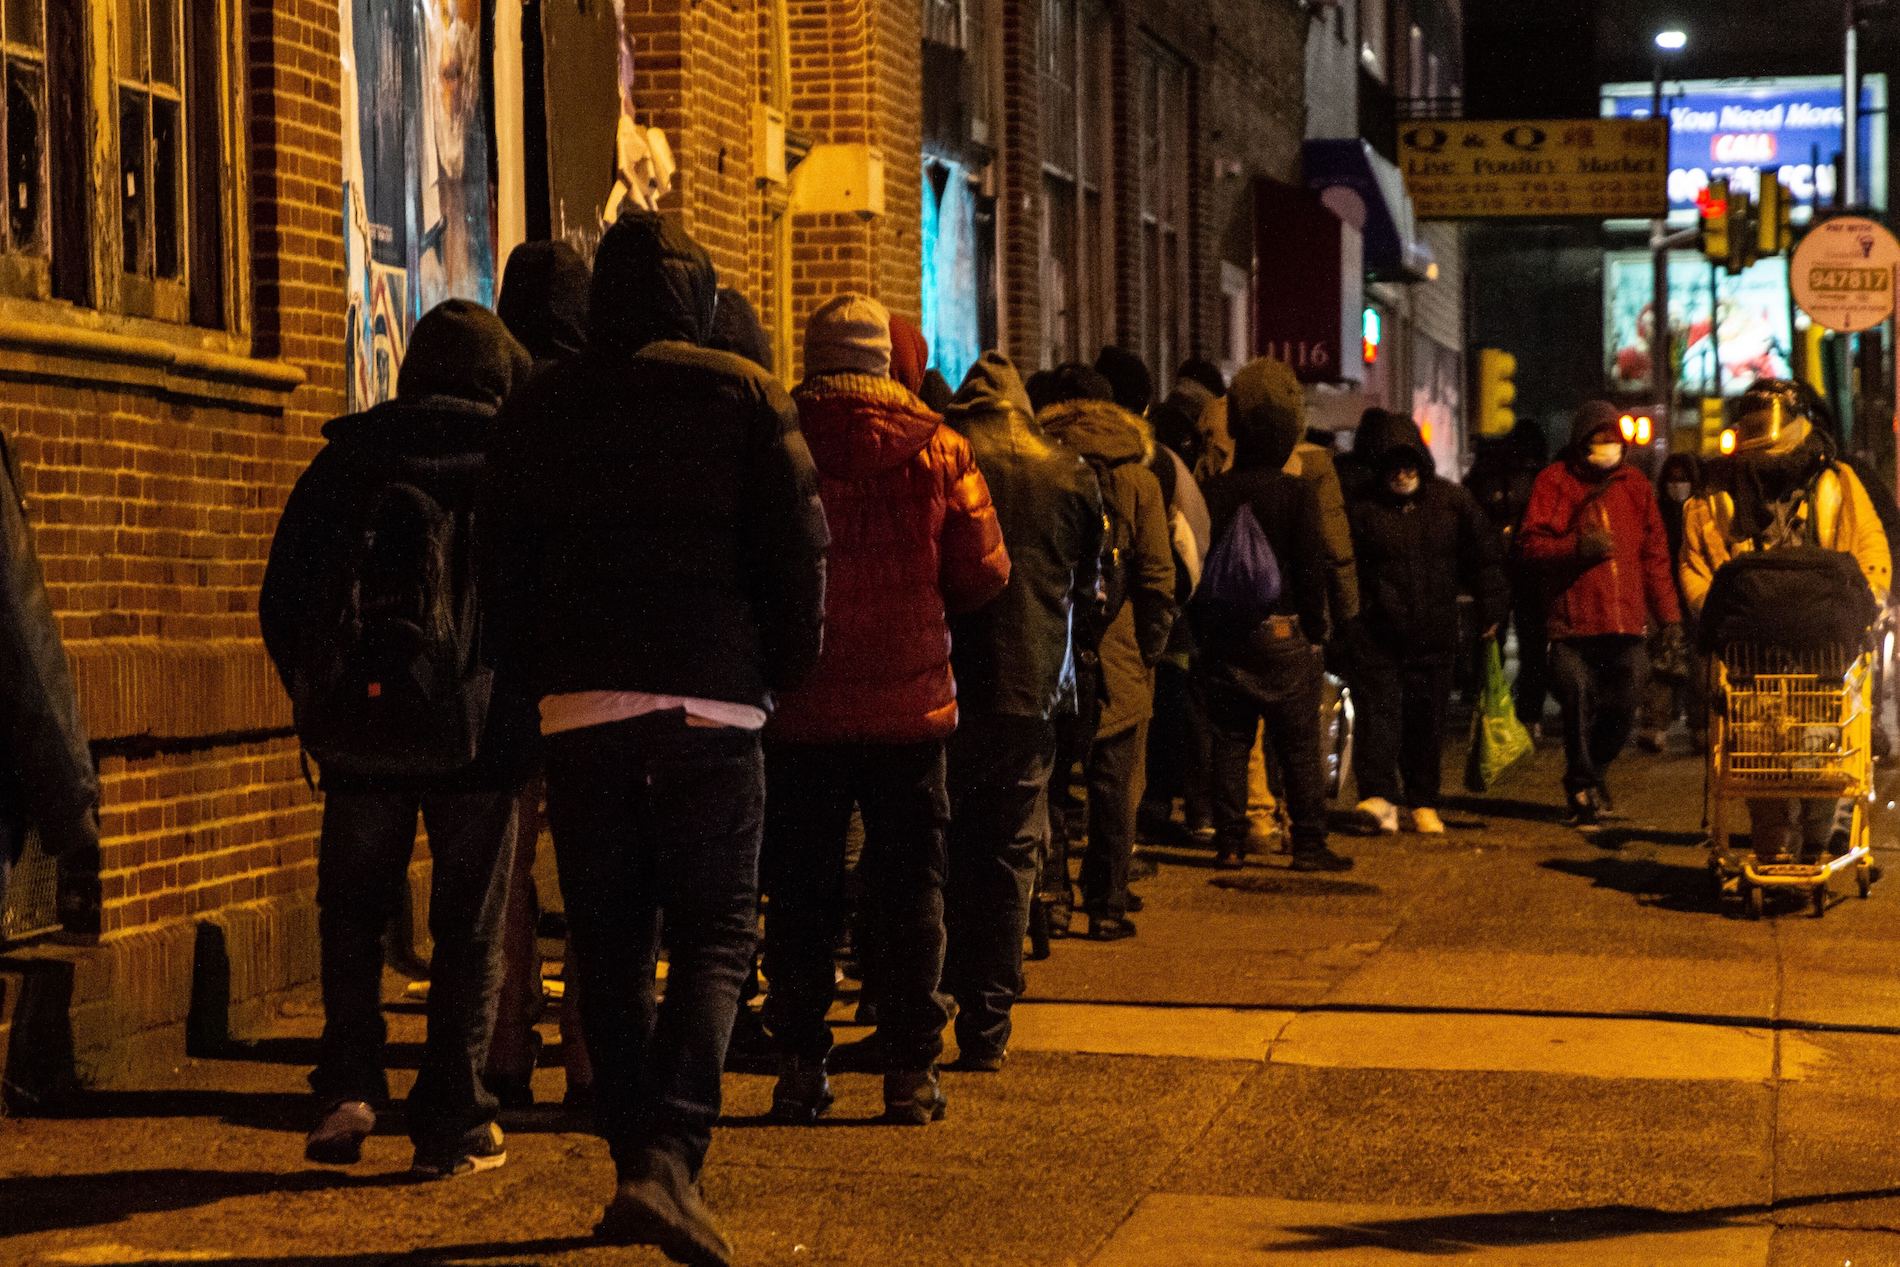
1605,456
1678,492
1404,483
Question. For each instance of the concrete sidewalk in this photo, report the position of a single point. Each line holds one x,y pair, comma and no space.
1517,1045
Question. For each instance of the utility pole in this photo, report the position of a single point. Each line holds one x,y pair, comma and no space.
1661,379
1850,97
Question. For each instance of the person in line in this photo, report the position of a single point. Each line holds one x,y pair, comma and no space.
1130,381
1011,658
1787,490
367,589
915,541
1594,530
1256,671
1419,540
1501,480
1126,629
1677,681
543,303
657,559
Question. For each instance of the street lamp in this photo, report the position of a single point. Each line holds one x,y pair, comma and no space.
1668,41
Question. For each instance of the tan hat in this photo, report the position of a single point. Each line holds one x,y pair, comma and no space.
849,334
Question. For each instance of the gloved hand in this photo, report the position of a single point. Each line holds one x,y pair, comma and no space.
1595,545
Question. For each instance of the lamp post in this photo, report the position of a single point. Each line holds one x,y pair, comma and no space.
1661,375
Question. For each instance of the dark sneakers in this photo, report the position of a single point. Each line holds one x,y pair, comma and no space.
481,1149
802,1093
1582,808
912,1097
337,1140
1110,928
1320,859
976,1058
658,1204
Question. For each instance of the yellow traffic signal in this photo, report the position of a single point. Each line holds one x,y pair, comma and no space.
1774,222
1740,232
1714,205
1496,393
1715,428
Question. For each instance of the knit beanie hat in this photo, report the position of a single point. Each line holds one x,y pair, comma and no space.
1266,411
849,334
910,353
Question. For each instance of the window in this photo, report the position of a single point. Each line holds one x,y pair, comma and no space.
1164,177
23,37
1078,271
150,100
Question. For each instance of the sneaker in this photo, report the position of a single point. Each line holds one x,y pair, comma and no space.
912,1097
1110,928
1320,859
1380,814
1059,915
480,1149
1426,822
802,1094
1606,804
337,1140
659,1204
1581,807
976,1058
1132,903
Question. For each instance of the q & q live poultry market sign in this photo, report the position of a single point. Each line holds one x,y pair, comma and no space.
1460,169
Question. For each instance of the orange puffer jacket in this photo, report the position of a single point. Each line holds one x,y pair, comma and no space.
913,539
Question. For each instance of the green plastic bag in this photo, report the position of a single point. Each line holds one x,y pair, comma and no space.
1498,739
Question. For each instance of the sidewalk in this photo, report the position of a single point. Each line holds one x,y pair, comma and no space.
1515,1045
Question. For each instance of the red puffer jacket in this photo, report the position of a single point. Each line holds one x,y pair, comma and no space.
913,537
1616,595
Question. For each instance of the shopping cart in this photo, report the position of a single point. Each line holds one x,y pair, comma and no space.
1789,725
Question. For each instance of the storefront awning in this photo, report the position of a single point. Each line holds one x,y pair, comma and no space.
1365,189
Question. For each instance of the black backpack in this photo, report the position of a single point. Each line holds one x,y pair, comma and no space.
1794,599
392,684
1092,619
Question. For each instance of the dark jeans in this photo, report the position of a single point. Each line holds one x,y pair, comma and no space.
999,781
1400,705
1599,682
1116,771
362,880
1177,747
1282,689
655,819
1075,735
1529,614
900,791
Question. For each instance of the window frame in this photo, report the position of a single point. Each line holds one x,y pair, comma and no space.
27,271
1077,181
1163,97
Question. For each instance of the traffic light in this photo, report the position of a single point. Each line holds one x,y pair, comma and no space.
1714,424
1740,232
1714,205
1774,222
1496,393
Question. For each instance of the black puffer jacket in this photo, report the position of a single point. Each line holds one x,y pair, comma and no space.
653,512
1011,656
1417,553
461,364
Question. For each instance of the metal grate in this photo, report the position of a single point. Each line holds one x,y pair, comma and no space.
32,894
1797,721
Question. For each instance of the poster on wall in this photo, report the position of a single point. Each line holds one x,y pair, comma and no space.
1744,319
951,266
418,226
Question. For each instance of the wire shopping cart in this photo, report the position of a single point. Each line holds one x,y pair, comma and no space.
1788,725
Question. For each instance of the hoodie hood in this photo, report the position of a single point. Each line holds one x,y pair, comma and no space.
1383,435
422,428
1099,429
860,424
1266,413
991,386
1177,420
462,351
651,283
910,353
544,299
736,329
1591,417
1128,374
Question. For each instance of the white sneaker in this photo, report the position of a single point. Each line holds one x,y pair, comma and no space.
1426,822
1381,813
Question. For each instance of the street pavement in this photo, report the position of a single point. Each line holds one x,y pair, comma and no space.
1518,1044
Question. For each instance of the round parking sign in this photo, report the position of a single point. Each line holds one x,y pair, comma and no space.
1843,273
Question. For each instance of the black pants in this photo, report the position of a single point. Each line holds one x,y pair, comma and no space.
362,879
1281,689
900,791
1177,747
656,820
1529,613
1599,682
1400,704
999,781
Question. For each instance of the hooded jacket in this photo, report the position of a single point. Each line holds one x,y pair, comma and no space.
1415,554
914,541
653,518
544,300
461,364
1571,499
1265,431
1118,445
1012,655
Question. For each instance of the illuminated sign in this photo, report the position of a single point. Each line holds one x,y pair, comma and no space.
1371,332
1744,324
1458,169
1734,128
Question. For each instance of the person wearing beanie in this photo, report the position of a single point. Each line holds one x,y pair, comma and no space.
404,477
1129,377
915,542
910,354
1595,533
1119,637
657,571
1255,670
